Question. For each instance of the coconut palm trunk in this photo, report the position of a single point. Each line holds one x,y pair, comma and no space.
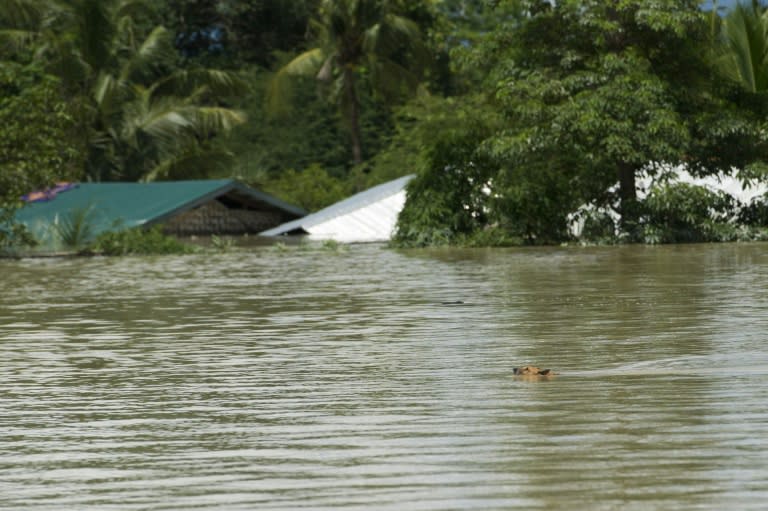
357,36
353,107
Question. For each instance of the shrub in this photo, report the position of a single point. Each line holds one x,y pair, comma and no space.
75,230
312,189
685,213
138,241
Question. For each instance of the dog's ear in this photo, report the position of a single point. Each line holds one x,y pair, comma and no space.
545,371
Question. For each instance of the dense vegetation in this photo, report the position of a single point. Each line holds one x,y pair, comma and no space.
520,117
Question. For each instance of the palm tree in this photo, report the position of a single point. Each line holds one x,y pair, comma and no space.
745,36
144,118
356,37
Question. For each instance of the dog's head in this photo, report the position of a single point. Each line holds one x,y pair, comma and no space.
532,371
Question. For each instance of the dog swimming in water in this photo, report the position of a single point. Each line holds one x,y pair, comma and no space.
532,371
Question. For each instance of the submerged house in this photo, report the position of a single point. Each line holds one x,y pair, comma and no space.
184,208
368,216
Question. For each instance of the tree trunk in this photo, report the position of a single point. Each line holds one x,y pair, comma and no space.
630,214
353,107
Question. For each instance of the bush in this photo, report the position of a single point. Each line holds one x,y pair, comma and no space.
139,241
492,236
599,227
75,230
312,189
755,213
446,200
685,213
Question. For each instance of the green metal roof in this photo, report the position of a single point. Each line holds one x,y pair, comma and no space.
113,206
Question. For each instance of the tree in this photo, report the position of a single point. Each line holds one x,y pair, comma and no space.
237,32
38,142
358,37
610,89
142,117
594,93
447,201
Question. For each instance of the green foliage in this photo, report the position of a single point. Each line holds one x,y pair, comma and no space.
308,133
590,94
744,54
599,227
279,247
560,101
312,188
533,200
446,200
333,246
466,194
75,230
248,31
222,244
417,124
602,102
357,38
684,213
492,236
38,144
755,213
138,241
138,115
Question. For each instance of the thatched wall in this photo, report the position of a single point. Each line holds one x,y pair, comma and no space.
215,218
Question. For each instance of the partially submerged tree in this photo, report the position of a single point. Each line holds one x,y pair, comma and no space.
38,141
356,37
598,90
593,94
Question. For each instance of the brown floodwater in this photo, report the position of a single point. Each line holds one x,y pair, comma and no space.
318,379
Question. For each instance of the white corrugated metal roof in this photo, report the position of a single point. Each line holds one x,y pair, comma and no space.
367,216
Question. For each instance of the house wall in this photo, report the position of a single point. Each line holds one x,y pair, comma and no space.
215,218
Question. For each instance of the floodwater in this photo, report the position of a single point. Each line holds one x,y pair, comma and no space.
267,379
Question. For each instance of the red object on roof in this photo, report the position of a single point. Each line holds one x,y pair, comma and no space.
48,193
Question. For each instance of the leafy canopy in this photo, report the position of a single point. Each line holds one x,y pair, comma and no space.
38,141
591,94
354,38
141,117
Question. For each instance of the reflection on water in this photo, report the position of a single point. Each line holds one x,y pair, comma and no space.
278,380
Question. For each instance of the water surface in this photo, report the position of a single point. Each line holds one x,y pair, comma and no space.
310,378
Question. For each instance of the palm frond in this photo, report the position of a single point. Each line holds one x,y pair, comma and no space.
66,62
391,34
745,61
306,64
106,92
279,92
192,162
96,31
163,120
23,15
211,120
165,125
131,9
20,22
156,48
17,39
111,95
187,82
392,80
